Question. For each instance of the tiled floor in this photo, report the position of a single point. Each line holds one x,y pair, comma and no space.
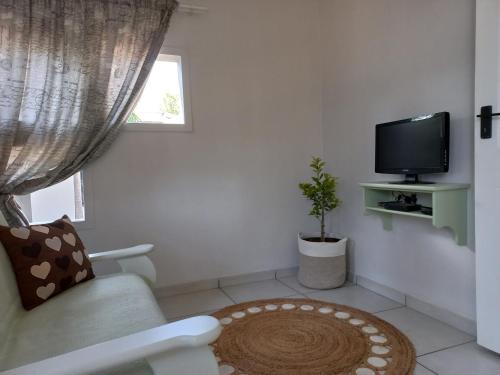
357,297
184,305
441,349
258,290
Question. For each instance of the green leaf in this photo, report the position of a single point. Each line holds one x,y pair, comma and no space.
321,191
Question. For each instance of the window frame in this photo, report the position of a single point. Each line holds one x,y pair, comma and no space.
88,199
186,98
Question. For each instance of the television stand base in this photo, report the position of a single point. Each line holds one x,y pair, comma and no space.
406,182
445,205
411,179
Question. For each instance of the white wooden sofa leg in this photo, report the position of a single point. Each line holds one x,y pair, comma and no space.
192,361
141,266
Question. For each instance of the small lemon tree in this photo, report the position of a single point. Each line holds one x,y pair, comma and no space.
321,192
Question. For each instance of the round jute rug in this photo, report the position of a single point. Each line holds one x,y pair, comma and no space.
308,337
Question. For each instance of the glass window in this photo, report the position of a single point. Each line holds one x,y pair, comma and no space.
162,100
49,204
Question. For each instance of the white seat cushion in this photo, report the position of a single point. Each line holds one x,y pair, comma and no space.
95,311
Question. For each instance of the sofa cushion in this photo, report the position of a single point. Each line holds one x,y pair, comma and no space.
98,310
10,303
46,258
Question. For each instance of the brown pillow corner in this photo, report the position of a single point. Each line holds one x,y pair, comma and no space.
47,259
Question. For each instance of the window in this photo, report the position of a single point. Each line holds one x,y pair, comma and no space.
49,204
164,102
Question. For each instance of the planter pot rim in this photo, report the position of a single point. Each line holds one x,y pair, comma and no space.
304,235
321,249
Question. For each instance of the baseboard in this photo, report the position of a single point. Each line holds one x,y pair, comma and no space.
449,317
286,272
197,286
436,312
350,277
247,278
456,321
383,290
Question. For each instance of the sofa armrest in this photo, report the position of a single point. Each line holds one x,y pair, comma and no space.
160,344
133,260
130,252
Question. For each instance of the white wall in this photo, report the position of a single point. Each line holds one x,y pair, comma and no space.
223,200
265,77
385,60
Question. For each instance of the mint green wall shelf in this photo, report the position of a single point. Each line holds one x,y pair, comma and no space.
448,202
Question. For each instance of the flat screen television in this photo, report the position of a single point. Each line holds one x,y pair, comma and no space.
413,146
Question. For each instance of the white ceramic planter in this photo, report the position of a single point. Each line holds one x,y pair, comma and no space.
322,264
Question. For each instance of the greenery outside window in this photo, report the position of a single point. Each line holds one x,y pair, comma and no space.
164,101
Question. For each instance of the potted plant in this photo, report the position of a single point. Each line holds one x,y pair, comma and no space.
322,262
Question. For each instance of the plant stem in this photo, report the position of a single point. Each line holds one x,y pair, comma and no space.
322,225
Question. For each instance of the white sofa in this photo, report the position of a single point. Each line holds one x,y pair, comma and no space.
108,325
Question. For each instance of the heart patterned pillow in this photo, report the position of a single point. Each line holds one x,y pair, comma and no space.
47,259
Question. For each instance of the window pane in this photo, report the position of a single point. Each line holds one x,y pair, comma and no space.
161,100
64,198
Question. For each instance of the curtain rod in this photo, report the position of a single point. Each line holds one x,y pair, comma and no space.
188,8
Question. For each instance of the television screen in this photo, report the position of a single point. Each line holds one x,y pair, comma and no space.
413,146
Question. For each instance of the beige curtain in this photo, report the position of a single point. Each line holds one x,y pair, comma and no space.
70,72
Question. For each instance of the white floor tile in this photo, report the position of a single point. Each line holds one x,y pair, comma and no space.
292,282
259,290
193,303
465,359
421,370
356,297
246,279
426,334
